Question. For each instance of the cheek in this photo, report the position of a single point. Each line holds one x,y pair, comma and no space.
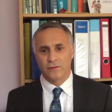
67,58
40,64
69,55
41,61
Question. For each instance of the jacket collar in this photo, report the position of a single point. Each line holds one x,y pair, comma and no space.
80,101
79,96
36,100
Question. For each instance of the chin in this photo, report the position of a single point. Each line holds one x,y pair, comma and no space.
55,76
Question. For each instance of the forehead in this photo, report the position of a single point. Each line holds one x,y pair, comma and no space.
52,36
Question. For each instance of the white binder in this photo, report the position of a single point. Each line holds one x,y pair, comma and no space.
81,41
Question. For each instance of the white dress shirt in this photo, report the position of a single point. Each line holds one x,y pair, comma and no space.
66,97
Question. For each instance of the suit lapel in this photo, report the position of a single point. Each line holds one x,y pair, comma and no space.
80,101
79,94
35,97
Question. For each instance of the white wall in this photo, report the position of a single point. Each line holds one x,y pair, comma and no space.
9,49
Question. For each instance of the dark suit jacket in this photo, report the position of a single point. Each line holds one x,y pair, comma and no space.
89,96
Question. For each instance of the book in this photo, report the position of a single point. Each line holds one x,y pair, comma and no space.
54,8
100,6
105,48
38,6
73,5
34,65
76,12
30,6
85,6
42,21
81,52
62,6
25,6
27,50
46,7
79,5
95,60
111,43
34,6
69,5
69,23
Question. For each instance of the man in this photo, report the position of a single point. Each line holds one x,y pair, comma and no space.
58,90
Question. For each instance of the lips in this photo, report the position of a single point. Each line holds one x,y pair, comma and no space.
53,68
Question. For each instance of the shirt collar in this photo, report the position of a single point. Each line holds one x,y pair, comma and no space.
66,86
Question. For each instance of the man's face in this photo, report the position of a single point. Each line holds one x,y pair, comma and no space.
54,55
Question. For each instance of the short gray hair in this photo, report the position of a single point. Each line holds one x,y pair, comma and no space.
47,25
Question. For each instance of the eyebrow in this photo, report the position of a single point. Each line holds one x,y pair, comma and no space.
44,46
60,44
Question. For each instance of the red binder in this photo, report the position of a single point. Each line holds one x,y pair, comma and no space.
105,48
80,5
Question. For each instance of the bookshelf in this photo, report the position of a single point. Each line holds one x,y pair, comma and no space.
66,15
23,17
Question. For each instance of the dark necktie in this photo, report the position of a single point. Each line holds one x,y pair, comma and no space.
55,105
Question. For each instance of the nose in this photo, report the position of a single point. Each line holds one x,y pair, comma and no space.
52,56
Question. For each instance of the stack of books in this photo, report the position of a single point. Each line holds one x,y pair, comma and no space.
54,6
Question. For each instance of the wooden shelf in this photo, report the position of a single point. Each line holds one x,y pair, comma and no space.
101,80
29,80
66,15
104,79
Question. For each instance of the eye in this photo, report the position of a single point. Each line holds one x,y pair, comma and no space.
44,50
60,48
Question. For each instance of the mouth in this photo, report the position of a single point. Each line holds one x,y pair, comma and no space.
53,68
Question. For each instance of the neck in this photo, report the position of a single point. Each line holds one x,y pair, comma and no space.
59,81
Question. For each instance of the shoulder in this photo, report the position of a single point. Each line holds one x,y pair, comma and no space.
28,88
20,98
95,94
92,90
90,84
